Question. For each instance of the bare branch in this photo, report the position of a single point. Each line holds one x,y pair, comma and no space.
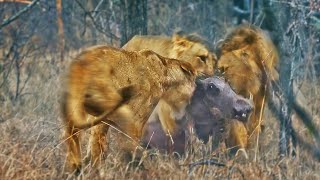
275,106
89,14
16,16
97,8
16,1
307,119
202,162
309,147
60,29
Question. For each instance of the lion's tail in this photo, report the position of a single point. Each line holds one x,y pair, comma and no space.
75,114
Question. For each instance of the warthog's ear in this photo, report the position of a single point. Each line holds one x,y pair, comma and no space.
199,83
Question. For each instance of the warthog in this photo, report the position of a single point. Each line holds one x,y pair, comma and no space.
212,105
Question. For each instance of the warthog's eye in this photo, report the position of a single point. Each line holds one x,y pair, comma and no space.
213,89
203,58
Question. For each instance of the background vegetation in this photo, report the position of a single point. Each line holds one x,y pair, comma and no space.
39,38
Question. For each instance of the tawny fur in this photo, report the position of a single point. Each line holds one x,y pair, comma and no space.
190,48
120,88
237,136
182,47
248,58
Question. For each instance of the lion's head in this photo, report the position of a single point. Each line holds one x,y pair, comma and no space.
248,59
194,50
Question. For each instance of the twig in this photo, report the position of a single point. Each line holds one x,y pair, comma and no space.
312,149
306,118
8,64
16,1
17,75
16,16
171,139
259,124
251,11
1,119
205,162
150,140
122,132
240,11
95,23
96,9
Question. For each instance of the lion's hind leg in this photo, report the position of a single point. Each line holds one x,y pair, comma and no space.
100,98
129,132
71,112
105,98
72,136
98,143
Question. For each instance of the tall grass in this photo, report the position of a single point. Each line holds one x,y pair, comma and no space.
32,147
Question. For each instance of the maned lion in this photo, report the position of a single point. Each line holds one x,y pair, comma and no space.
190,48
248,59
119,88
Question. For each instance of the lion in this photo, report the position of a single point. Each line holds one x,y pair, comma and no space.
106,86
248,60
190,48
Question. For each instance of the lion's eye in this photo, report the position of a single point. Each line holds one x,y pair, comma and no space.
203,58
221,70
244,54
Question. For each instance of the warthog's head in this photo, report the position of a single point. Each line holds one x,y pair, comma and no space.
215,93
213,104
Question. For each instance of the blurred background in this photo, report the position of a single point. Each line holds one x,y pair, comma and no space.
40,28
38,39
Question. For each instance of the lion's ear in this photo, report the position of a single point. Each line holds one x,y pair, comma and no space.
188,69
180,41
152,55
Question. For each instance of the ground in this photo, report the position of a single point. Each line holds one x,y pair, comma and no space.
32,146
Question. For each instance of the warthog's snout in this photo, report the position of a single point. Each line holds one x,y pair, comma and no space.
242,109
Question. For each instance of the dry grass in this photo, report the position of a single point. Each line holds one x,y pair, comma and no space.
31,145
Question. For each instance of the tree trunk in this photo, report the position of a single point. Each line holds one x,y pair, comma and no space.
134,19
289,35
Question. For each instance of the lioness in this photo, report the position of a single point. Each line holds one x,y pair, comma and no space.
120,88
182,47
190,48
248,59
